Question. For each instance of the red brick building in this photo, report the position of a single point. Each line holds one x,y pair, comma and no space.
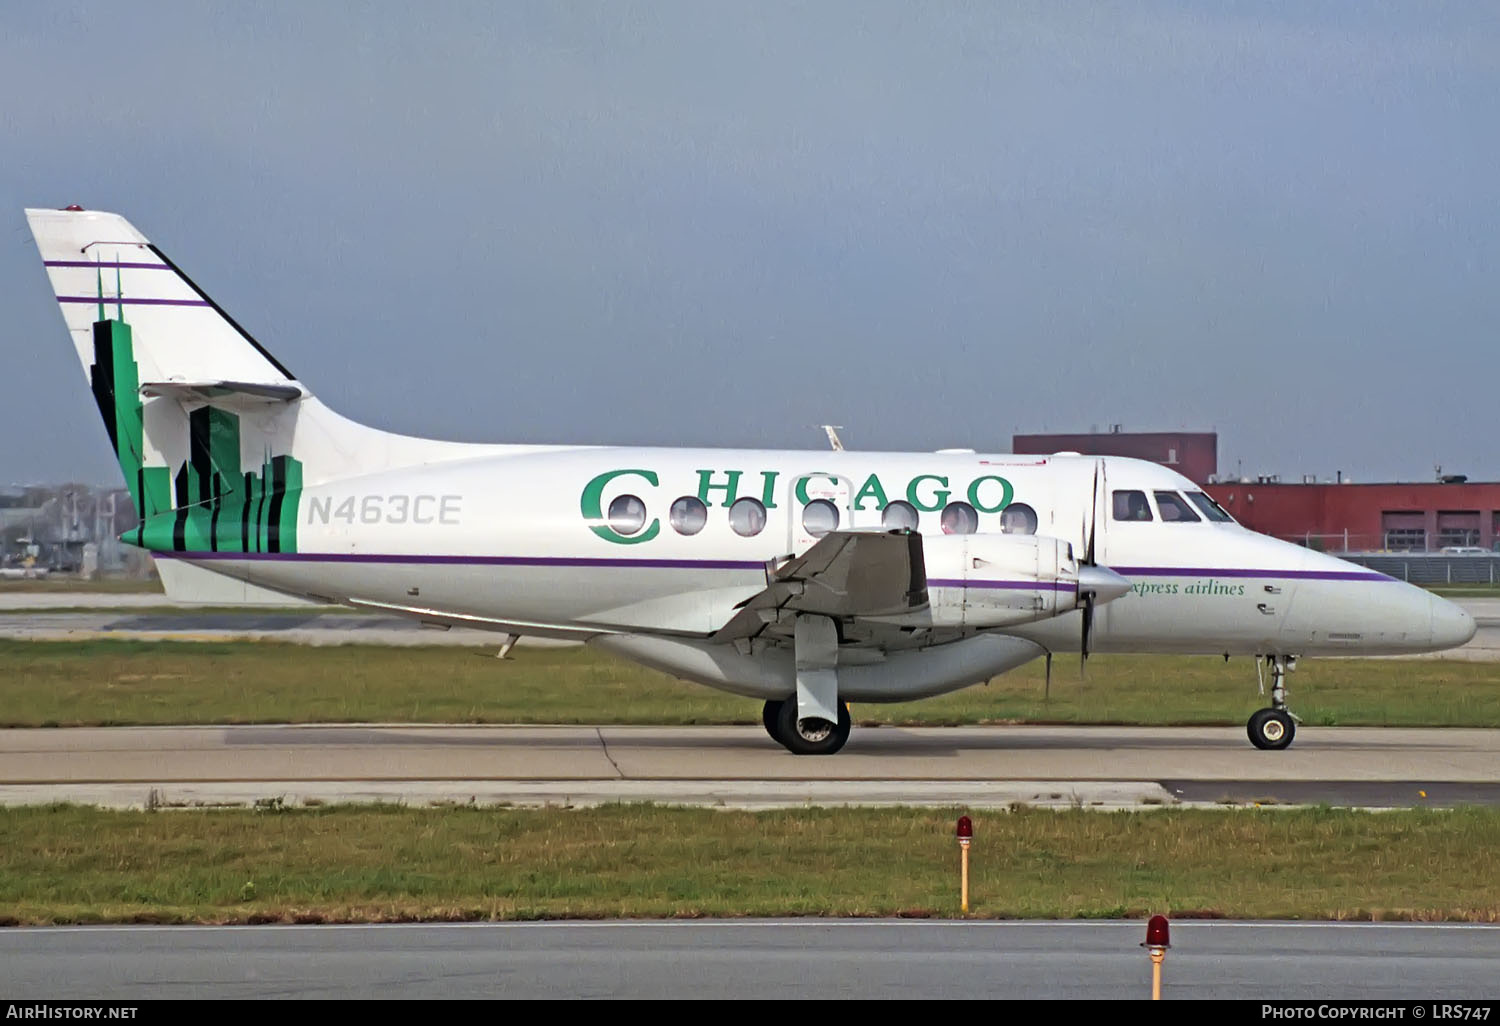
1194,454
1368,517
1416,517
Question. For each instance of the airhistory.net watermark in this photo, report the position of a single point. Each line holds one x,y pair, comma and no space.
57,1010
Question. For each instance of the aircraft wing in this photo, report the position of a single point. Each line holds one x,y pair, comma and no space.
845,574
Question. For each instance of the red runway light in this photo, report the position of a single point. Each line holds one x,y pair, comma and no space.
965,828
1157,933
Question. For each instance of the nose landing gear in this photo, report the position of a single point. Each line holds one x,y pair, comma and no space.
1273,729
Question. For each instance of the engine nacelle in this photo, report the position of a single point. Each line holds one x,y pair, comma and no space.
995,580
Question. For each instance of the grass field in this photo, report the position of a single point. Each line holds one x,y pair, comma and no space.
64,864
108,682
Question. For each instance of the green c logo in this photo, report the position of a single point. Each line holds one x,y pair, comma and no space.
589,506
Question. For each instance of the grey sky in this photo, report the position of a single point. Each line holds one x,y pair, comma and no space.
722,224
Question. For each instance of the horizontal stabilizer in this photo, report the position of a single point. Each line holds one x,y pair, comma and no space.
227,394
185,582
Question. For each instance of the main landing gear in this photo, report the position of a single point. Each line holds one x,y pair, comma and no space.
812,720
1273,729
811,736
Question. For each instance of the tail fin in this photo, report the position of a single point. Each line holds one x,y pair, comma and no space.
175,378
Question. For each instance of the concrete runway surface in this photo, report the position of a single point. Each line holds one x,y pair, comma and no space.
748,959
739,767
35,616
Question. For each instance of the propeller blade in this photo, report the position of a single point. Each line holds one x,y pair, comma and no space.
1088,627
1093,516
1047,692
1091,522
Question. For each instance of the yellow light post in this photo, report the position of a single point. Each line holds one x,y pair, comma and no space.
1158,940
965,834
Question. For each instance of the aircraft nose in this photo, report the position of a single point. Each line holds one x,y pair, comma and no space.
1451,624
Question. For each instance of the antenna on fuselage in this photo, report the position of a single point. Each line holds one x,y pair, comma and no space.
832,430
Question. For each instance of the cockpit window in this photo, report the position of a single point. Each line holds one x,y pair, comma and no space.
1132,505
1174,508
1210,508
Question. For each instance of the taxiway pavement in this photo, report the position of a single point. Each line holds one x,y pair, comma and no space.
750,959
739,767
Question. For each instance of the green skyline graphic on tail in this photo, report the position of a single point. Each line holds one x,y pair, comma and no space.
211,504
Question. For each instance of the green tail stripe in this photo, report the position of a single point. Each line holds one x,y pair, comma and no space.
289,501
218,506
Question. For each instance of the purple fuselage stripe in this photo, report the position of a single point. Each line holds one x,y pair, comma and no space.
112,265
1203,571
130,301
649,564
735,564
360,557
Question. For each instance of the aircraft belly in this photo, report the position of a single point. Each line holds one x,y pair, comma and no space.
643,599
771,671
700,609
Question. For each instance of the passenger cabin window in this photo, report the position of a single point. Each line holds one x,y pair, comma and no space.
747,517
1174,508
1210,508
688,515
627,514
899,516
959,518
1132,505
819,517
1018,518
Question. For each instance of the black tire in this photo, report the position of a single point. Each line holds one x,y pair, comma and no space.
1271,729
823,739
770,716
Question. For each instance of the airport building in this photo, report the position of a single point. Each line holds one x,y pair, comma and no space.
1193,454
69,528
1336,515
1392,517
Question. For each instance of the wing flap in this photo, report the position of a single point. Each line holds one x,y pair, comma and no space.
845,574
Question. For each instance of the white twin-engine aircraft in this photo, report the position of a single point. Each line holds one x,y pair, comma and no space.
805,579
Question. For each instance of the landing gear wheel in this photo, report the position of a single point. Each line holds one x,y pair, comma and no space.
1271,729
770,715
812,736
